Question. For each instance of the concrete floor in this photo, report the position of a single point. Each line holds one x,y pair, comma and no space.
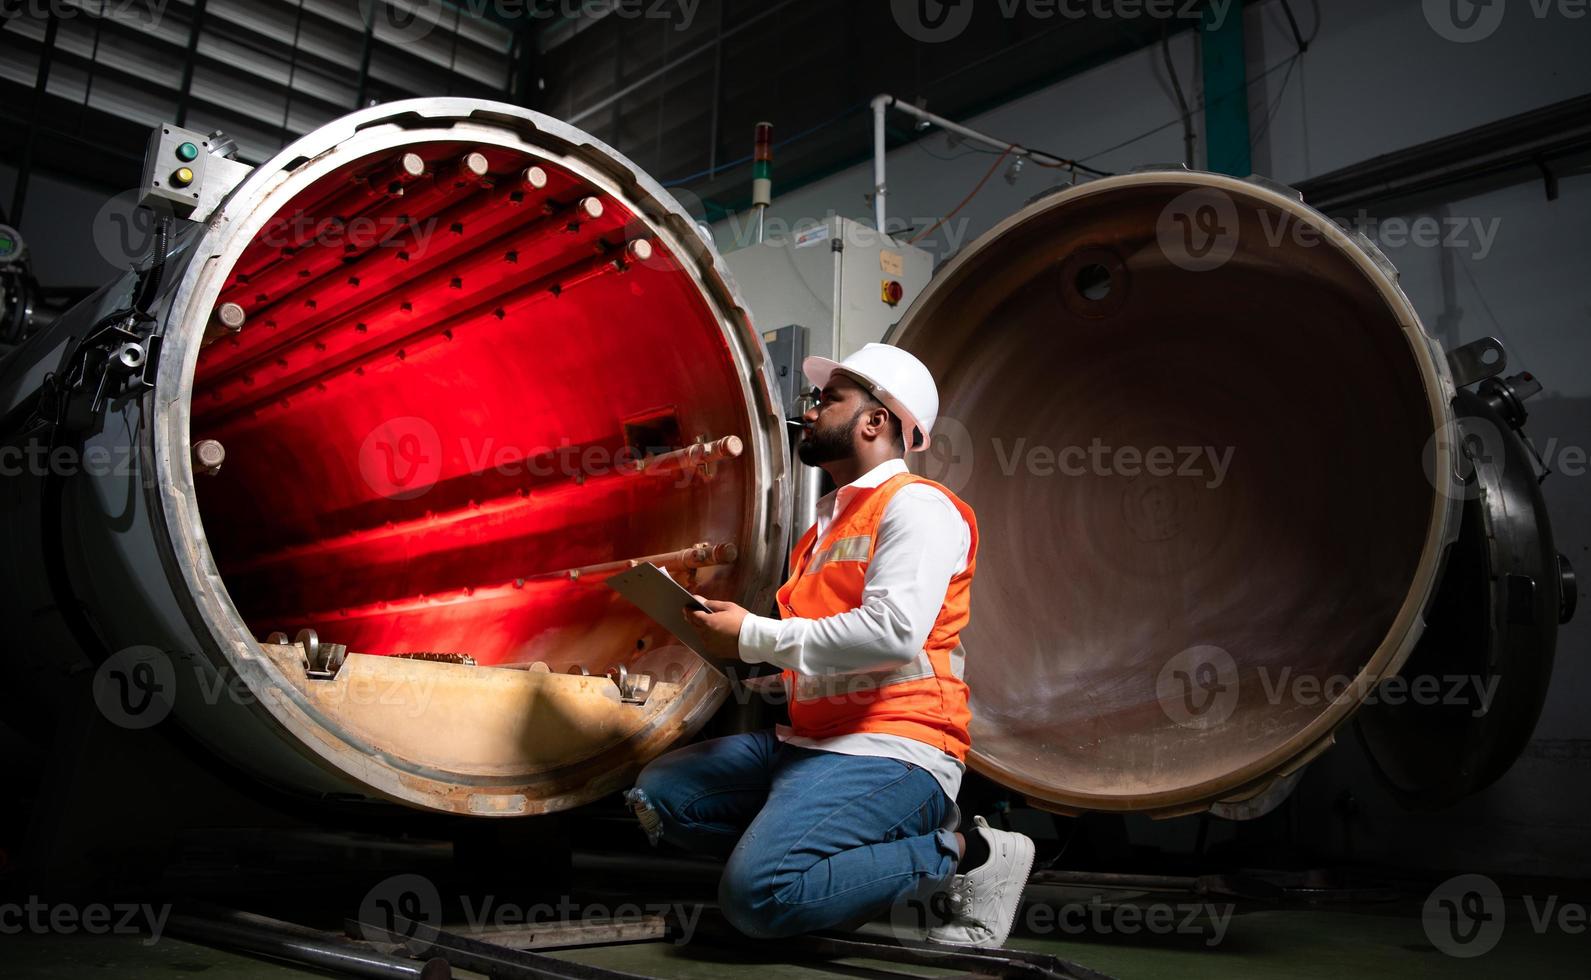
1339,943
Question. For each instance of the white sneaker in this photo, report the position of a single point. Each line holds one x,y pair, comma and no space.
983,902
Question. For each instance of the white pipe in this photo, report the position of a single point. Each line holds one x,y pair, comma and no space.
881,106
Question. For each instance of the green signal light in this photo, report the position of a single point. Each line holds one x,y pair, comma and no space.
187,151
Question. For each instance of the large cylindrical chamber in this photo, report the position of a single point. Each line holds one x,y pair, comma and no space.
1209,445
427,377
432,373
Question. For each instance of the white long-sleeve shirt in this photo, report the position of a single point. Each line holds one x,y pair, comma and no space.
922,542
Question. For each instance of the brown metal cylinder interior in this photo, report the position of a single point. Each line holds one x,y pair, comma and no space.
1071,328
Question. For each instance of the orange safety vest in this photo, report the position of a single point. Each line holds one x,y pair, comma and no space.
924,699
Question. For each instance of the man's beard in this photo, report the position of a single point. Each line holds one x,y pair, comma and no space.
828,445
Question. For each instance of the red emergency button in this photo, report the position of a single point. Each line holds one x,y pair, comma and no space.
891,292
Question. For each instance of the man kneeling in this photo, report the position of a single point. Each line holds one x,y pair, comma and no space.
850,810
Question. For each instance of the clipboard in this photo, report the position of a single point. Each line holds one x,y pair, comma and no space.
656,593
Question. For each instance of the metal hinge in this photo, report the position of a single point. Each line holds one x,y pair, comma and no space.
119,356
1477,361
321,661
633,688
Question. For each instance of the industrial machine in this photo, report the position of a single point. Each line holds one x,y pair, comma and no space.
843,281
825,289
17,289
1186,636
387,409
405,394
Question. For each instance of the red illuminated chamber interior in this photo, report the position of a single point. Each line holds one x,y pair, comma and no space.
451,359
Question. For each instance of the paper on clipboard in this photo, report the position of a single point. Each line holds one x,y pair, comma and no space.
662,598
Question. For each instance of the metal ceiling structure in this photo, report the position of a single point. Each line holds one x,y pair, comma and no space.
681,96
677,85
82,80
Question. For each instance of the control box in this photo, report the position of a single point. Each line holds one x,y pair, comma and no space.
184,175
846,283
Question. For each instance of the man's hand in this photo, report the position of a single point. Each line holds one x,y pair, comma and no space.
719,629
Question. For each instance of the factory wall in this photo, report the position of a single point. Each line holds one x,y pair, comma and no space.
63,217
1509,263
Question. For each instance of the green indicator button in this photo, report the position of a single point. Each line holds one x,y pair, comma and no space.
187,151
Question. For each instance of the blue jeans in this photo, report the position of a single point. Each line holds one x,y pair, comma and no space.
814,840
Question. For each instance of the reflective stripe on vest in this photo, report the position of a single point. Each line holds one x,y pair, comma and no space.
925,698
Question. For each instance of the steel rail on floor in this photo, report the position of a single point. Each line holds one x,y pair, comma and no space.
404,948
1006,964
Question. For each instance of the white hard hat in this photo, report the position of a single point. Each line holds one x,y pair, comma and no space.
894,377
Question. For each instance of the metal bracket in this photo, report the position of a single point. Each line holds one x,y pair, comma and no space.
120,352
115,358
633,688
321,660
1477,361
1258,804
1286,190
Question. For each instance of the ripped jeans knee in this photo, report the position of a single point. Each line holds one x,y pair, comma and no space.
641,805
